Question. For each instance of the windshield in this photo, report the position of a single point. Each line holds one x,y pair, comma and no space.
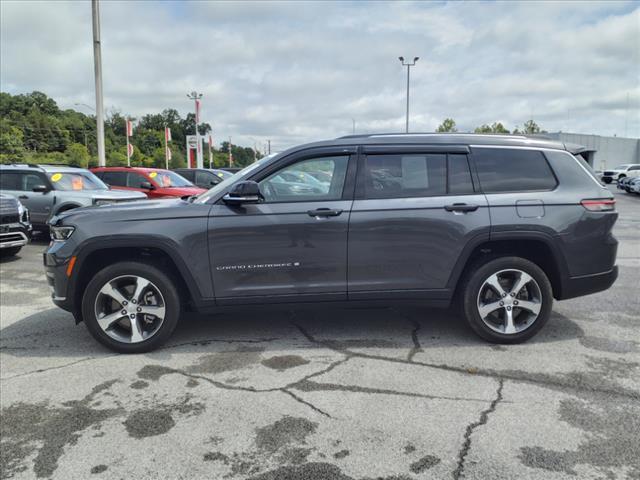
169,179
76,181
227,182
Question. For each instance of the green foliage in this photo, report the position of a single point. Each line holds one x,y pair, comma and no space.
33,129
495,127
77,154
448,125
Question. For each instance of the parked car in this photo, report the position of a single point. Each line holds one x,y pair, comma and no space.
153,182
203,177
621,171
15,226
633,185
623,182
496,226
47,190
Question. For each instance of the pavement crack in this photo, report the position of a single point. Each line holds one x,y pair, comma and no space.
416,342
57,367
304,402
484,416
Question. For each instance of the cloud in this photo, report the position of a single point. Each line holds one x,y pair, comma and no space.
301,71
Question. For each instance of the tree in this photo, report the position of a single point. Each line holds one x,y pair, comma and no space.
448,125
11,145
495,127
77,154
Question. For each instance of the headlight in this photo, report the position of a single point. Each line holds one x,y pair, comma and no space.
61,233
23,213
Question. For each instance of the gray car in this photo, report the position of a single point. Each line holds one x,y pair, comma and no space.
495,226
48,190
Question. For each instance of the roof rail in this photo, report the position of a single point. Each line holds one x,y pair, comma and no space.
428,134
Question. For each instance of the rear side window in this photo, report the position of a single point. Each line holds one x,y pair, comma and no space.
405,175
460,182
10,181
117,179
505,170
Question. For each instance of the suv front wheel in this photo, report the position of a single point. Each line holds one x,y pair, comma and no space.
131,307
507,299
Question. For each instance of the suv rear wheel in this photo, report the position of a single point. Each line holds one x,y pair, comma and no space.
507,299
131,307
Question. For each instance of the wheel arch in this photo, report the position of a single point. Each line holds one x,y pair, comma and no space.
96,256
537,247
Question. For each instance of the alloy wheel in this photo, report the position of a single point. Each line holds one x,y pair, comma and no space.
509,301
130,309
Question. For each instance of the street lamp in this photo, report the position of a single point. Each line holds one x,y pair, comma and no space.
408,65
195,96
85,105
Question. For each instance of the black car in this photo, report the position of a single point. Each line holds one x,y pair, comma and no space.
15,227
496,226
203,177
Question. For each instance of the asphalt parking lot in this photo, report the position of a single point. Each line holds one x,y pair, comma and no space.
396,393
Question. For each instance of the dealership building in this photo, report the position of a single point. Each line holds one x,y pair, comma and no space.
603,152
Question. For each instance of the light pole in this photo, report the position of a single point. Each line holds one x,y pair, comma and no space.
195,96
97,68
408,65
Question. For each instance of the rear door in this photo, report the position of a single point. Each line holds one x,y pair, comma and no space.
416,208
293,246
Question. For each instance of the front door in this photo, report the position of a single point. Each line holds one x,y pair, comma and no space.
20,184
292,246
415,210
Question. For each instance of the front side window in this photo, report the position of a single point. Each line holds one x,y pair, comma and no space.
405,175
513,170
297,182
135,180
169,179
207,179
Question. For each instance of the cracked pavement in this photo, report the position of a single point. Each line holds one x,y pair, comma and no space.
324,393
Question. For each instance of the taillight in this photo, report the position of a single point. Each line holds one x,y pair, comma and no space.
608,205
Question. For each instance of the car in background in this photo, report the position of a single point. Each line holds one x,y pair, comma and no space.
15,227
231,169
623,182
153,182
633,185
203,177
621,171
47,190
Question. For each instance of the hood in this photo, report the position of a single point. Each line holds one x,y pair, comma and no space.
180,191
132,211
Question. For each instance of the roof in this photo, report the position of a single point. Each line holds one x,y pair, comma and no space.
45,168
143,169
450,138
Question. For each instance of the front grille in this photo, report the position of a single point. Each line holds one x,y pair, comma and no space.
11,237
10,218
8,206
609,173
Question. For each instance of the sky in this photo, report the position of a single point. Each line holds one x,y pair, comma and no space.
295,71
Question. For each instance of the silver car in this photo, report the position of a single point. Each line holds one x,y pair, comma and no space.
47,190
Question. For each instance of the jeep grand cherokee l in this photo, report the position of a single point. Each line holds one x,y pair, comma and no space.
496,225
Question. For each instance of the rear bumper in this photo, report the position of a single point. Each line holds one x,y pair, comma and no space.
588,284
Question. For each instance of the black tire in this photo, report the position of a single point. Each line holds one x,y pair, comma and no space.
607,179
473,282
10,252
163,282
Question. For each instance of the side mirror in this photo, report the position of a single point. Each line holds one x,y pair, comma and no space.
147,186
247,191
40,188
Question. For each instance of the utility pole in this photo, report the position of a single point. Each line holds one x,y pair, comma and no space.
354,126
408,65
269,143
230,154
97,67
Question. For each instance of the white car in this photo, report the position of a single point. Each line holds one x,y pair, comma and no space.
621,171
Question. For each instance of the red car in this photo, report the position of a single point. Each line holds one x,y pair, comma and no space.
155,182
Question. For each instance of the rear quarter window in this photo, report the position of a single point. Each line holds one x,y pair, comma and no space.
513,170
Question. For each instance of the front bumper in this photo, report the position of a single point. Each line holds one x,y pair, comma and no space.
14,235
588,284
56,273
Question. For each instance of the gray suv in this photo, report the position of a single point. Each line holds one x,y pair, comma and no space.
498,226
48,190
